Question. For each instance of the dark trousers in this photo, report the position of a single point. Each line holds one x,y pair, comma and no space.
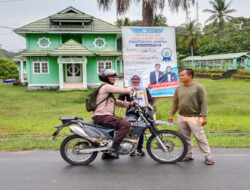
114,122
140,143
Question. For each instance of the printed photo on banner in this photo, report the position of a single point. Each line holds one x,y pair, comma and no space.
151,52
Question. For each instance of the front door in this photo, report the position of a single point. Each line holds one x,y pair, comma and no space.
74,72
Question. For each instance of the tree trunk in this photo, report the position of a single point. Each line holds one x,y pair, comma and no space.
192,50
147,14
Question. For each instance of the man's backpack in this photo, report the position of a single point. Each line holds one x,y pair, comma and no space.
91,99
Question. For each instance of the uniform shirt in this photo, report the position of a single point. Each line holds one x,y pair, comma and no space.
108,107
190,100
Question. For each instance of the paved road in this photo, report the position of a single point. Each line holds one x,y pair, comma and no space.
45,170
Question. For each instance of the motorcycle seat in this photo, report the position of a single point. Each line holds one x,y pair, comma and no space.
91,123
67,118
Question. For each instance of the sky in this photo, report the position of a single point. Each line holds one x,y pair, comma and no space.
17,13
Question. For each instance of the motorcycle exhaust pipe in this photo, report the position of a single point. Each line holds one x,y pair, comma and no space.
78,130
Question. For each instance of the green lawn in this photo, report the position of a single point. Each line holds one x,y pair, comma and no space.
36,112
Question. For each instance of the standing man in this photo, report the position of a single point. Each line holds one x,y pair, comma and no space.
191,101
156,76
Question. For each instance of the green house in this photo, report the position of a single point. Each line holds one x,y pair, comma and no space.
67,50
219,61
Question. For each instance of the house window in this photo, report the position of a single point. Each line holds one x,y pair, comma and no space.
40,67
99,42
104,63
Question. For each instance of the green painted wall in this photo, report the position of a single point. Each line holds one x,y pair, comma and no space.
51,78
247,65
92,76
32,39
110,39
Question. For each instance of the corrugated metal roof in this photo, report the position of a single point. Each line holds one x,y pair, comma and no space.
72,47
108,53
35,53
46,26
216,57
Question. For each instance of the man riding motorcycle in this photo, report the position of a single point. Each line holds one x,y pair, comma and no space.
105,112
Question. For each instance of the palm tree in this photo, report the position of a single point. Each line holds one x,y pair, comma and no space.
123,22
159,20
148,7
190,36
220,12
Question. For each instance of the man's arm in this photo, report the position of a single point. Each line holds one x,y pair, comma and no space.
174,106
203,102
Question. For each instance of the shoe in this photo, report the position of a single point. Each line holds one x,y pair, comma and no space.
140,153
117,149
187,158
109,156
209,161
132,154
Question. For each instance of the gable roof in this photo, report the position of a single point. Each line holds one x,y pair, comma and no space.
71,47
52,23
216,57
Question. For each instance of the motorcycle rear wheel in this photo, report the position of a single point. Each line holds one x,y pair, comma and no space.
70,150
175,144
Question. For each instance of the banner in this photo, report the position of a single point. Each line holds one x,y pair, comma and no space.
151,53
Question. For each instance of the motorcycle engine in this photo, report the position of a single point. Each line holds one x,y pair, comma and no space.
129,144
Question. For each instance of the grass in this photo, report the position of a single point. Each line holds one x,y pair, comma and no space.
25,113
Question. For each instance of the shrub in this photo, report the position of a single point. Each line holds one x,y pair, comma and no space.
8,69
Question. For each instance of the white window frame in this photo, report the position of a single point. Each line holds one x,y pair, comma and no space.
40,67
105,61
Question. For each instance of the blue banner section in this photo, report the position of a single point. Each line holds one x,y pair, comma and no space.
147,30
162,93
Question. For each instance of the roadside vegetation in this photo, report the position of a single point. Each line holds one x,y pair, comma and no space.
27,118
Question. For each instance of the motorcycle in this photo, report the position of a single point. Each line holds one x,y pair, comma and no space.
88,138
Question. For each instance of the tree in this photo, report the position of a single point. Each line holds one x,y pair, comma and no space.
123,22
8,69
220,12
190,36
159,20
149,7
235,38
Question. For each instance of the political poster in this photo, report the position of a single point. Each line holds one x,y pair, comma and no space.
150,52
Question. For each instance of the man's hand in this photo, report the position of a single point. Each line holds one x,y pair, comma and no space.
203,121
131,104
171,118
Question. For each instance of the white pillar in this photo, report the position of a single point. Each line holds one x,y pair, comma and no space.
21,72
121,65
60,75
84,72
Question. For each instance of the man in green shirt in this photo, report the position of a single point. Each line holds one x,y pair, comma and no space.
191,101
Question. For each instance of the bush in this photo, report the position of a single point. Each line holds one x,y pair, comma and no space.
8,69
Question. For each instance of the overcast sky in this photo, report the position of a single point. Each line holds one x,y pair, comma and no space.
17,13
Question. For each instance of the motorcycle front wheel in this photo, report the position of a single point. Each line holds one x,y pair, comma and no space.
70,148
176,147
